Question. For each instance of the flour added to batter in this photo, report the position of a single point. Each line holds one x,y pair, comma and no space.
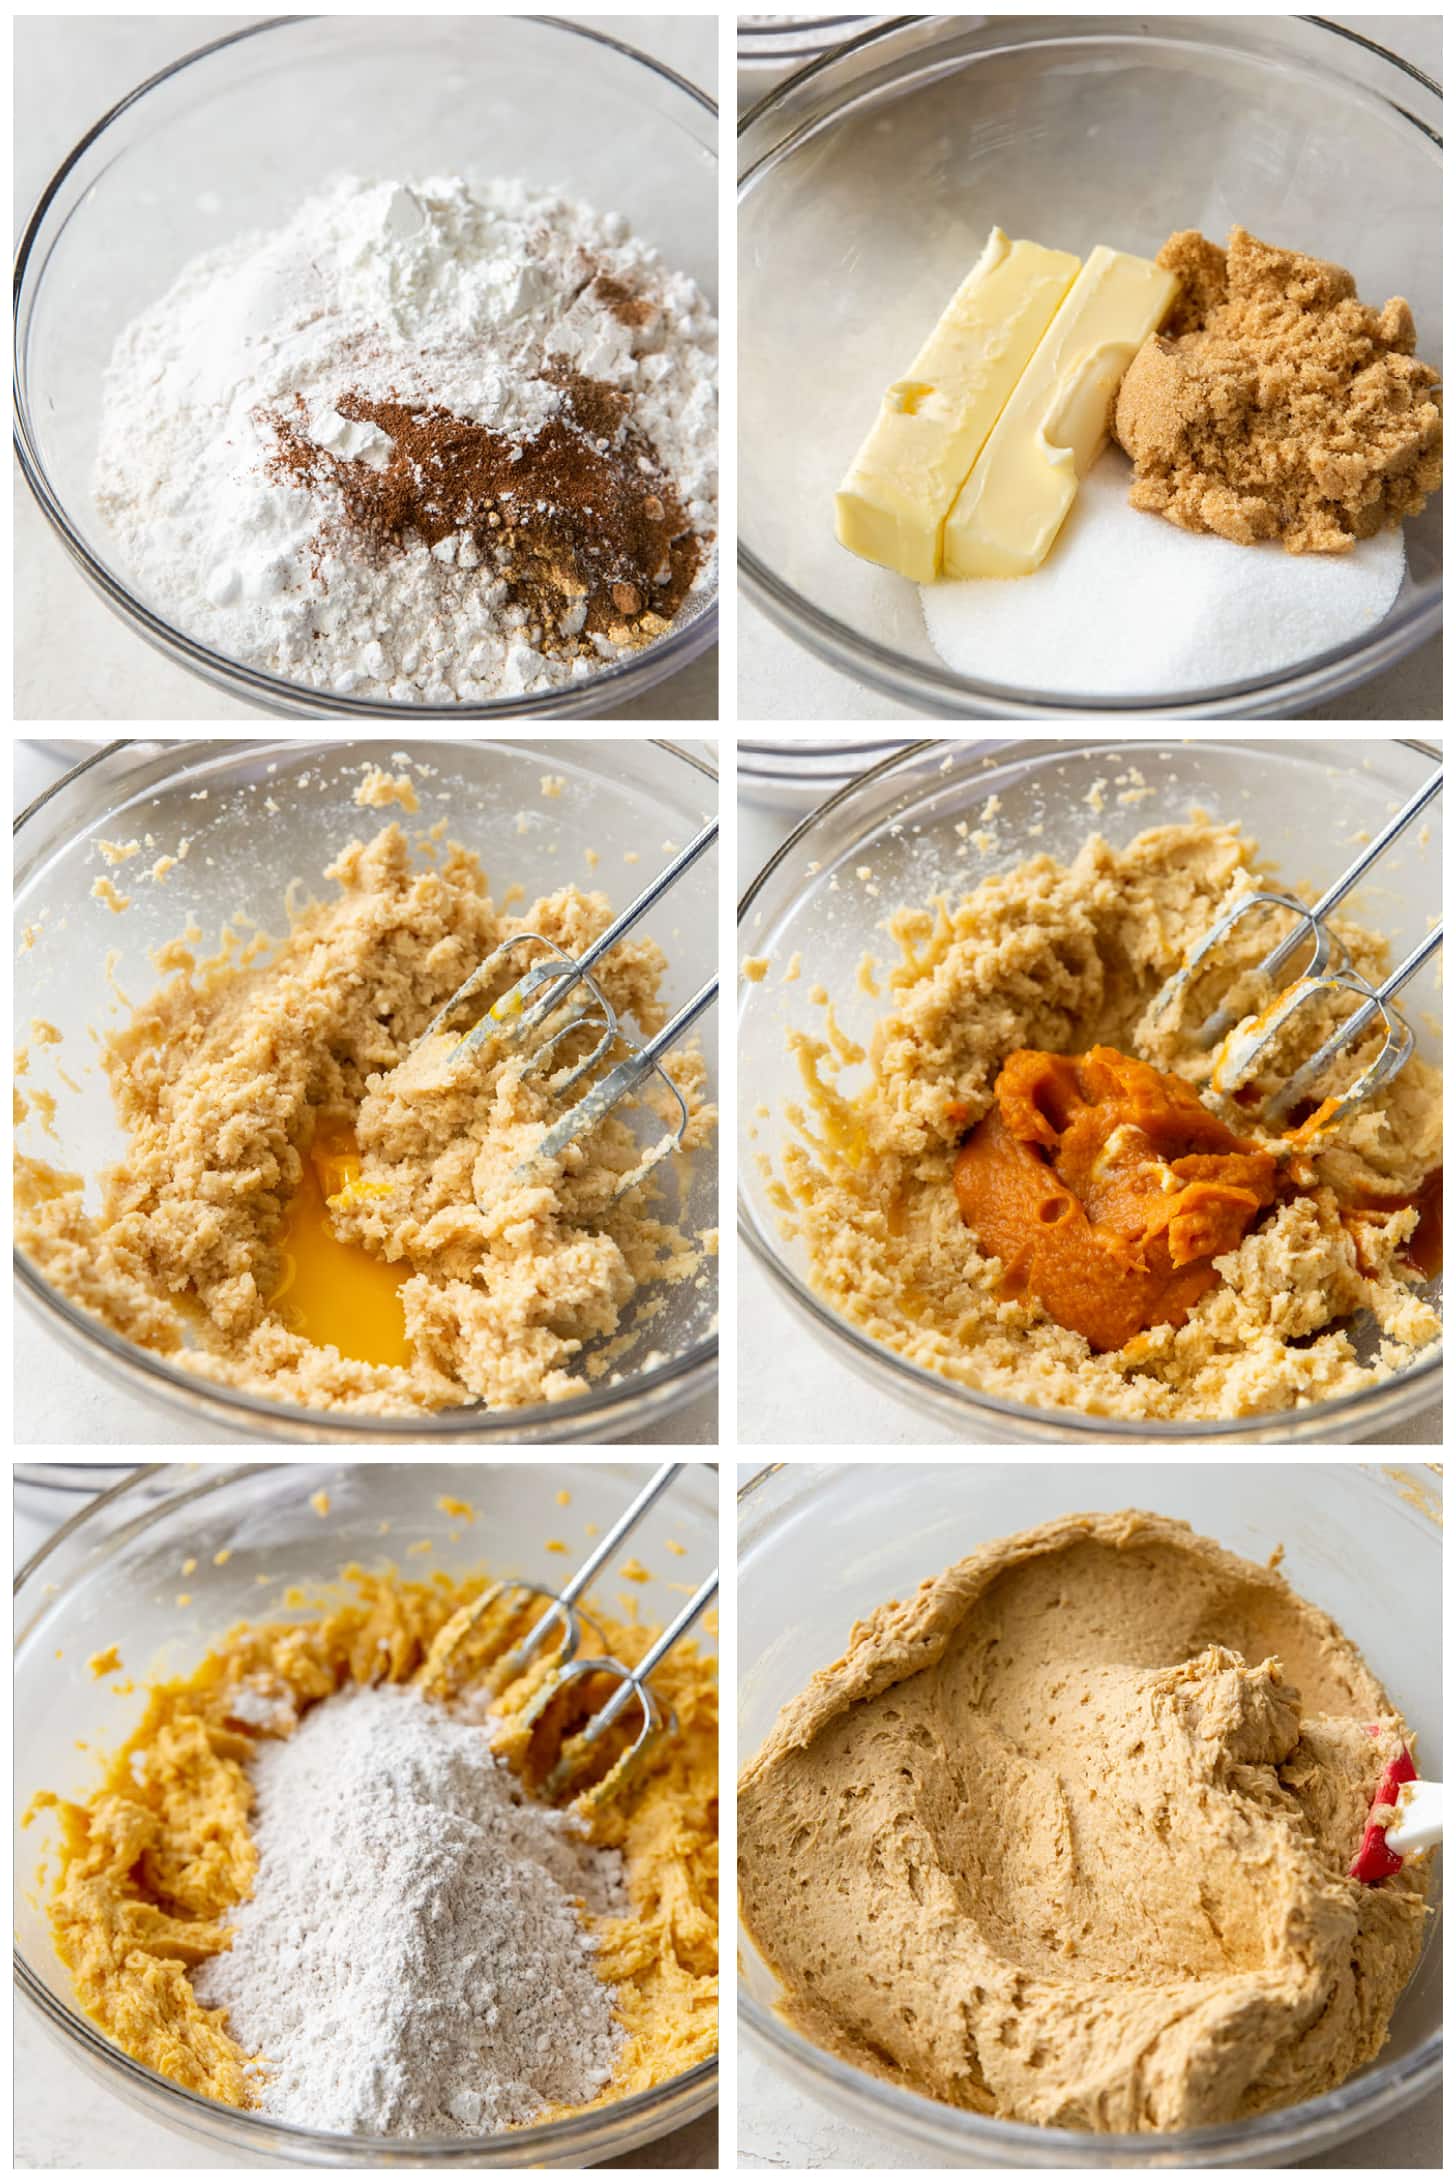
313,1885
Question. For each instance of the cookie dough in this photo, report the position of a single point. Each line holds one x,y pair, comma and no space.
152,1865
1064,1837
513,1288
1062,958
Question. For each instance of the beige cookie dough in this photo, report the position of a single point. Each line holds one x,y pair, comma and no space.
1064,1837
1064,958
515,1289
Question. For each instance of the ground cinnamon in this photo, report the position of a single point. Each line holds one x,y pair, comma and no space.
580,522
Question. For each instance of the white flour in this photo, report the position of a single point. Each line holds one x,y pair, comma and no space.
411,1962
445,293
1128,606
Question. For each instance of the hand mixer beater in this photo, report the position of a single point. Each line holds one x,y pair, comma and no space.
522,1017
581,1697
1247,1045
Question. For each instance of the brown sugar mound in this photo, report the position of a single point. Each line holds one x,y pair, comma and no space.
1275,405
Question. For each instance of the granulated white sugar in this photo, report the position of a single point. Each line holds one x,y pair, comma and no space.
1128,606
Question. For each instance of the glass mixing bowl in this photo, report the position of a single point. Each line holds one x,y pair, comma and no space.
820,1545
260,816
868,183
1303,802
268,115
111,1576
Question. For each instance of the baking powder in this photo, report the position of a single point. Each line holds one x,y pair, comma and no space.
412,1961
483,301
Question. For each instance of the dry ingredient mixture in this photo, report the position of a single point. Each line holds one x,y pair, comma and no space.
1065,1837
418,1946
1057,960
412,1956
428,442
243,1084
1275,405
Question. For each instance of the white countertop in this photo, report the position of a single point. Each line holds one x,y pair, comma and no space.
779,681
62,1402
64,2120
800,1394
74,660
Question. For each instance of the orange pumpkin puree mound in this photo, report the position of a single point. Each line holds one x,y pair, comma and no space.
1107,1190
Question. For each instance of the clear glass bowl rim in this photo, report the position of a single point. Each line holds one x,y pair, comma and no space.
665,1387
931,686
1415,1383
1359,2104
592,2132
621,678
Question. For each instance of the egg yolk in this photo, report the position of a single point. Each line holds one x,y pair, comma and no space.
329,1290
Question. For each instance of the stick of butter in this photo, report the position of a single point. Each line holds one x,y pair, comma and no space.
933,423
1055,424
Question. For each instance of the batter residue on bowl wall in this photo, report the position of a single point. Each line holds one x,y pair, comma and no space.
155,1862
1062,959
512,1289
1065,1838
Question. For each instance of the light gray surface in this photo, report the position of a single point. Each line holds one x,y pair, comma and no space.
64,2120
792,1391
62,1402
74,660
779,680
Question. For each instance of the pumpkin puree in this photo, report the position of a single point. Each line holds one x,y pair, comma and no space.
1107,1190
154,1862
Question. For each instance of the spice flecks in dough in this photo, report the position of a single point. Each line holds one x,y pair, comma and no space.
1064,1838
